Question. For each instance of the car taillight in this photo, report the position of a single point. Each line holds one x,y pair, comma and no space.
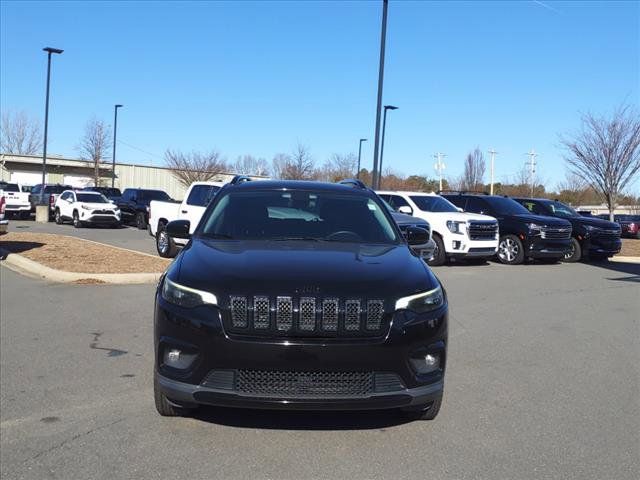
51,200
2,204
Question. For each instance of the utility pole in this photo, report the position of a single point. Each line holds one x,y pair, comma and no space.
439,166
376,140
113,158
531,163
360,155
493,156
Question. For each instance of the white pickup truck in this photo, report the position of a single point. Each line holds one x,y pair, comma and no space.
191,208
17,201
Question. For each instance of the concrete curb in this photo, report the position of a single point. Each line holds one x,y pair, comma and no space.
34,269
625,259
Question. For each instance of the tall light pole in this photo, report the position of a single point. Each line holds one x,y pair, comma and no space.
115,131
439,166
384,126
383,36
49,51
492,152
532,168
359,156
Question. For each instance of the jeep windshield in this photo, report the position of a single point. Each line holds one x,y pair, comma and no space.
298,215
431,203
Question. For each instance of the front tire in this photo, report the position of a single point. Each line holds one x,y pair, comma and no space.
163,406
510,250
76,220
575,252
428,413
58,217
165,245
439,254
141,222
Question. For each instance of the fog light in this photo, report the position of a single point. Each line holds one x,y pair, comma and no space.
177,359
427,364
456,245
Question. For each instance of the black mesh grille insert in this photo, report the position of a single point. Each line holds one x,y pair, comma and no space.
304,384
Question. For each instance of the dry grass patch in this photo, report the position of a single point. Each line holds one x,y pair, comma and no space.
73,254
630,247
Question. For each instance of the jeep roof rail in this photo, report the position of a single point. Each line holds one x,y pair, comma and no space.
353,182
240,179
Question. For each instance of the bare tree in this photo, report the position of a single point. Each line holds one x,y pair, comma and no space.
94,145
339,167
474,168
606,152
250,165
195,166
573,189
297,166
20,134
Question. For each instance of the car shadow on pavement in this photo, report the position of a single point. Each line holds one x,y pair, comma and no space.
632,269
9,247
302,420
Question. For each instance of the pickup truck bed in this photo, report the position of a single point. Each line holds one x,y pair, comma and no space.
16,201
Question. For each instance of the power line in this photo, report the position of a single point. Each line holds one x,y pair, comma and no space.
152,155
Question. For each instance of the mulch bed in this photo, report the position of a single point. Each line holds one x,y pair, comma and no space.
73,254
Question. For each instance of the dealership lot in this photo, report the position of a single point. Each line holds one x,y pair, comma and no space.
542,382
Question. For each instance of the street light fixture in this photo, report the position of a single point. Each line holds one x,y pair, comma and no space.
360,155
113,158
49,51
384,124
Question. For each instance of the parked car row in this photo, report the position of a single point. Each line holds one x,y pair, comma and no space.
4,223
629,224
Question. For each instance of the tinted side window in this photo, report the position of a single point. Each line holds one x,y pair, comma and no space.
458,200
396,201
533,207
477,205
201,195
126,196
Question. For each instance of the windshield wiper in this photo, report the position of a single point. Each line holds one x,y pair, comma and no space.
302,239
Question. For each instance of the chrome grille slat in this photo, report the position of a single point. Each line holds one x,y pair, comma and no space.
375,313
483,230
330,314
238,307
261,312
307,314
352,315
284,313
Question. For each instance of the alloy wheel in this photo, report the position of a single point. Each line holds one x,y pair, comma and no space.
508,250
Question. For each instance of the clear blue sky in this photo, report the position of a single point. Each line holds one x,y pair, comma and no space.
255,78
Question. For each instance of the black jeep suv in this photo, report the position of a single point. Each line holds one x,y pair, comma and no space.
592,237
522,234
299,295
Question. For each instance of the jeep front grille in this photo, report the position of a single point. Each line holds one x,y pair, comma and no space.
304,316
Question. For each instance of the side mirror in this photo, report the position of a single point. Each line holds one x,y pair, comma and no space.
406,209
416,235
179,229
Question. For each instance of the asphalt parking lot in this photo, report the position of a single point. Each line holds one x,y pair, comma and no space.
125,237
542,382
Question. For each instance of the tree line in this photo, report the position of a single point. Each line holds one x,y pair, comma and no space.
602,159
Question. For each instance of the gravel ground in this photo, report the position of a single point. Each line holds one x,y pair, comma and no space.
73,254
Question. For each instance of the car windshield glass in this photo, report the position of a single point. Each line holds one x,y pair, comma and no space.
432,203
561,210
91,198
626,218
506,206
298,215
9,187
153,195
56,188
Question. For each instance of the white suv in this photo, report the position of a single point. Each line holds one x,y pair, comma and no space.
84,208
456,234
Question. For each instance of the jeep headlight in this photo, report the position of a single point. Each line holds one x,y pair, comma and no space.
422,302
86,207
186,297
456,227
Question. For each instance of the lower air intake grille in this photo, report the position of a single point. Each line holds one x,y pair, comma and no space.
304,384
